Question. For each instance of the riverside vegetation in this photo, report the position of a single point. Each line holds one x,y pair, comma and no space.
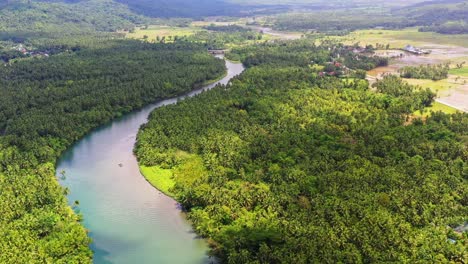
47,104
300,168
297,159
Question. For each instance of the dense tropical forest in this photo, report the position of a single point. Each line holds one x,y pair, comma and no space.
47,104
298,159
302,168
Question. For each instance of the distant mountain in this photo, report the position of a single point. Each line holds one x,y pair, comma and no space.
182,8
22,19
447,16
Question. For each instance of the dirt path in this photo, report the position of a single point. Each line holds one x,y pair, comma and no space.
456,98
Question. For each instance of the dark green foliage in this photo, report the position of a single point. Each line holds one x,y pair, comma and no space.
337,21
446,17
230,28
432,72
222,39
182,8
288,167
41,19
405,98
451,27
49,103
304,53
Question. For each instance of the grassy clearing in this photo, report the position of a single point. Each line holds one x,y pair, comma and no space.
239,22
436,107
400,38
435,86
162,31
460,72
160,178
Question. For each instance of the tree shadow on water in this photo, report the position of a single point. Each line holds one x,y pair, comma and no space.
100,255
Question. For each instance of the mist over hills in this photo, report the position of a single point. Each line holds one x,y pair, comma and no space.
201,8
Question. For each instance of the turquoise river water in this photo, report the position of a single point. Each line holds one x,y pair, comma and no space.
129,220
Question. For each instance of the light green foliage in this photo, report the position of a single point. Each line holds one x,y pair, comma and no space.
36,225
159,178
463,71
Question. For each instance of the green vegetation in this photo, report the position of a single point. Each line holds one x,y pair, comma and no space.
159,178
462,71
432,72
49,103
336,22
224,40
158,33
451,18
229,28
442,86
298,167
400,38
183,8
212,37
296,158
304,53
450,27
37,19
434,108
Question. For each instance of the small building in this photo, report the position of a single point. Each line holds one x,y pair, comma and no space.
414,50
216,52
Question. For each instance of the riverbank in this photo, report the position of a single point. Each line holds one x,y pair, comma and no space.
208,82
122,209
159,178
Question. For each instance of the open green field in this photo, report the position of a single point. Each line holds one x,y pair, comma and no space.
460,72
435,86
162,31
400,38
159,178
436,107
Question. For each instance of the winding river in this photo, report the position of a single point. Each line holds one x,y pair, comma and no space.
129,220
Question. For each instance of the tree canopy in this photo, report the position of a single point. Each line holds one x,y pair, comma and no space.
283,165
49,103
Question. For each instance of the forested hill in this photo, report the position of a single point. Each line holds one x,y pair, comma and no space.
285,165
111,12
447,17
183,8
49,18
